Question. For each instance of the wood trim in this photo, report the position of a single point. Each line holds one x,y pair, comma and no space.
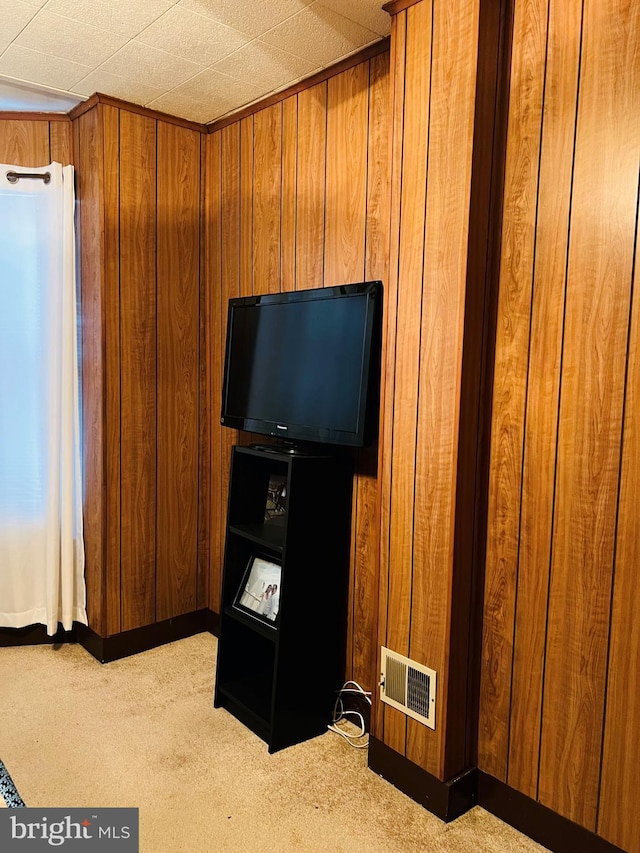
447,800
397,6
126,643
99,98
82,108
540,823
321,76
8,115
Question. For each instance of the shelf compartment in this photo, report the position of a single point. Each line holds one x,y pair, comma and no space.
270,632
268,534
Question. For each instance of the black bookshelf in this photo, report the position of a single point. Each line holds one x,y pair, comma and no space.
280,676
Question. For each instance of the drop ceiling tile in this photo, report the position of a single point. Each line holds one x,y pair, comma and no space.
117,87
35,4
69,39
274,68
137,61
116,16
192,36
319,35
253,17
14,16
364,12
211,87
179,105
36,67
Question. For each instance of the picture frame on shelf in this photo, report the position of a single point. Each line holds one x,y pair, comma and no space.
259,592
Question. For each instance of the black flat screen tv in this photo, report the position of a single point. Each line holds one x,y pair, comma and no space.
305,365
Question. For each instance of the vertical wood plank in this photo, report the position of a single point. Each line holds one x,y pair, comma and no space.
24,143
60,142
213,272
538,477
312,129
246,213
378,168
346,176
91,229
345,222
510,376
178,200
621,753
111,171
451,127
407,357
267,199
138,367
206,421
387,390
237,219
601,253
367,522
289,192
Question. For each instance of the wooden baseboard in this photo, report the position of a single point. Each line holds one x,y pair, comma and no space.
106,649
540,823
446,800
36,635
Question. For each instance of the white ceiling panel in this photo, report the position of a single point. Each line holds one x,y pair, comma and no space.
27,64
253,17
125,17
14,17
319,34
192,36
118,87
273,67
175,103
211,86
367,14
196,59
68,39
141,62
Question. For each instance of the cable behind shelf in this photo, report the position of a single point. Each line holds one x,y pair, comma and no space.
360,740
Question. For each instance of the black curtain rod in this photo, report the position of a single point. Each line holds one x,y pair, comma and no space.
14,177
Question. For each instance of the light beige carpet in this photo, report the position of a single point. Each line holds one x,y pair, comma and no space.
143,732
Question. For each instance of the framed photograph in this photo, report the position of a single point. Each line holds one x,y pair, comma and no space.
259,593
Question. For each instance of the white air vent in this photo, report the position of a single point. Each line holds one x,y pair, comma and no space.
409,687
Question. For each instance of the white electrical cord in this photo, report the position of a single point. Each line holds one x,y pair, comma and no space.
339,714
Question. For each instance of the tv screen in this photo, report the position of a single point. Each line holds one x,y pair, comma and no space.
305,365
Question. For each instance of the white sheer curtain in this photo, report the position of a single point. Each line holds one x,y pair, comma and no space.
41,543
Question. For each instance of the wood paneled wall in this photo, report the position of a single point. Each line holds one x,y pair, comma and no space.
444,72
297,197
560,691
140,195
25,141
